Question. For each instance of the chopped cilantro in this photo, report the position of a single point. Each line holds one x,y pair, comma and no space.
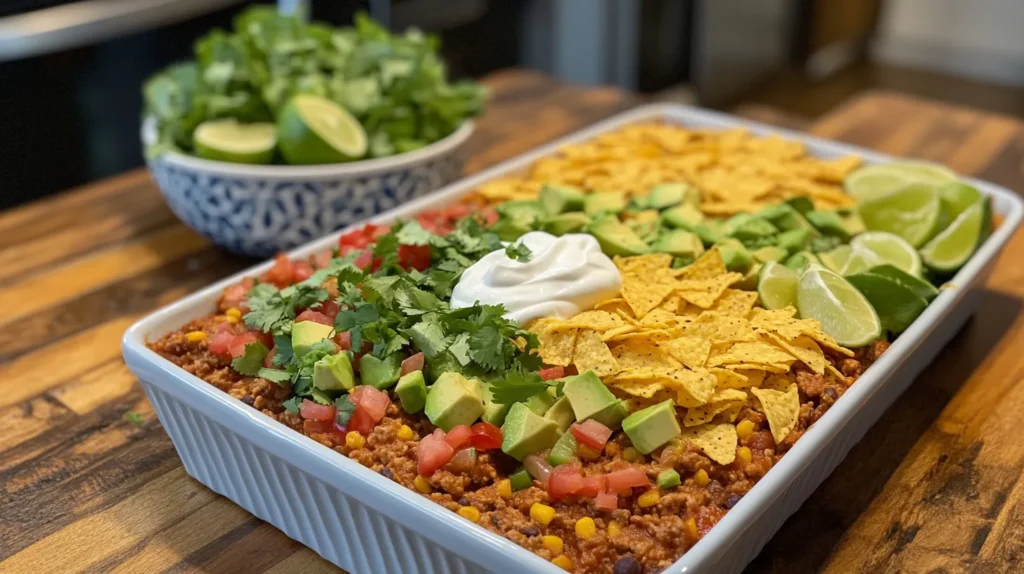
274,375
284,354
320,397
412,233
133,417
345,408
273,311
517,387
252,361
518,252
292,404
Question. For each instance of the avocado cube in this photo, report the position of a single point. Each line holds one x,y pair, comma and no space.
793,240
556,198
380,373
524,432
571,222
785,217
652,427
668,478
561,412
646,230
508,229
591,399
564,450
770,253
708,232
801,260
454,400
616,238
603,201
305,334
412,391
680,244
753,229
829,223
494,413
667,195
683,216
523,210
334,373
540,403
801,204
749,281
735,256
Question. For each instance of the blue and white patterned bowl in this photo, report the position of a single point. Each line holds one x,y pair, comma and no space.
260,210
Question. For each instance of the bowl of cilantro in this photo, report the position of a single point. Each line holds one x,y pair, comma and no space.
280,131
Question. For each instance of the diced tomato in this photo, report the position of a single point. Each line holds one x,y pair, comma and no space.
322,259
565,480
414,256
606,501
234,296
316,412
433,453
431,221
623,481
591,433
458,436
357,238
593,485
365,260
268,361
489,216
302,270
344,340
457,211
707,517
330,309
221,343
282,273
237,345
361,422
314,316
463,461
413,363
485,436
552,373
374,401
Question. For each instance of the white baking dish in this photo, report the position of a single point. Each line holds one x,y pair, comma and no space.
368,524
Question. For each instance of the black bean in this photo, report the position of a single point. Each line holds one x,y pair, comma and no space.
627,565
495,521
731,500
831,393
529,531
464,501
249,400
386,472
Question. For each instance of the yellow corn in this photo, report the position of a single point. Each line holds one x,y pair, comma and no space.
631,454
614,528
195,336
233,313
470,513
354,440
700,478
421,484
745,428
563,562
588,453
585,527
405,433
649,498
743,454
542,513
552,543
690,528
505,489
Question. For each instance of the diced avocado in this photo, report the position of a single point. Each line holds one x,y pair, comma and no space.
454,400
616,238
494,413
708,232
380,373
801,204
523,210
412,392
668,478
558,199
753,229
785,217
602,201
794,240
563,451
735,256
524,432
683,216
823,243
800,260
307,333
561,412
749,281
591,399
770,253
667,195
571,222
652,427
728,226
508,229
540,403
679,243
829,223
646,230
334,373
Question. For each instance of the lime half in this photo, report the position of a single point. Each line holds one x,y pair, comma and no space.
897,306
315,130
958,196
914,212
890,248
842,310
776,286
860,260
836,258
874,181
228,140
955,245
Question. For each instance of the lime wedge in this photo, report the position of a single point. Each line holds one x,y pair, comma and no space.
836,258
896,305
914,212
889,248
958,196
228,140
776,286
922,288
874,181
955,245
841,309
315,130
860,260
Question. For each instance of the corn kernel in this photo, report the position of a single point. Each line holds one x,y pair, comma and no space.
470,513
552,543
701,478
195,336
690,528
588,453
505,489
614,528
421,484
631,454
563,562
405,433
745,428
354,440
743,454
230,319
585,527
649,498
542,513
233,313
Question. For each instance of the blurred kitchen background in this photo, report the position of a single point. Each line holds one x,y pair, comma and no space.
71,70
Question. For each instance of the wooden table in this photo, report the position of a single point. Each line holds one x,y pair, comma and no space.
935,486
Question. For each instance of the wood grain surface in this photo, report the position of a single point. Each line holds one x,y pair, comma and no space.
934,486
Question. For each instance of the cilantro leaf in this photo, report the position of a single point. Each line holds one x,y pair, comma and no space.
252,361
517,387
320,397
345,408
460,349
133,417
428,335
518,252
284,355
292,405
274,375
488,348
412,233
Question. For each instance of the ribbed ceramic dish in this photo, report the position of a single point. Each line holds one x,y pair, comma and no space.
366,523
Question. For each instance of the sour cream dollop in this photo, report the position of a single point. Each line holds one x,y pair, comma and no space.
564,276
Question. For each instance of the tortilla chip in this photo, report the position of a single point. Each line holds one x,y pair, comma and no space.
614,306
805,349
658,318
708,266
612,333
704,292
752,352
556,346
720,402
643,264
717,327
671,304
717,441
637,353
754,377
642,295
592,354
735,302
598,320
695,387
645,389
781,408
729,379
690,351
